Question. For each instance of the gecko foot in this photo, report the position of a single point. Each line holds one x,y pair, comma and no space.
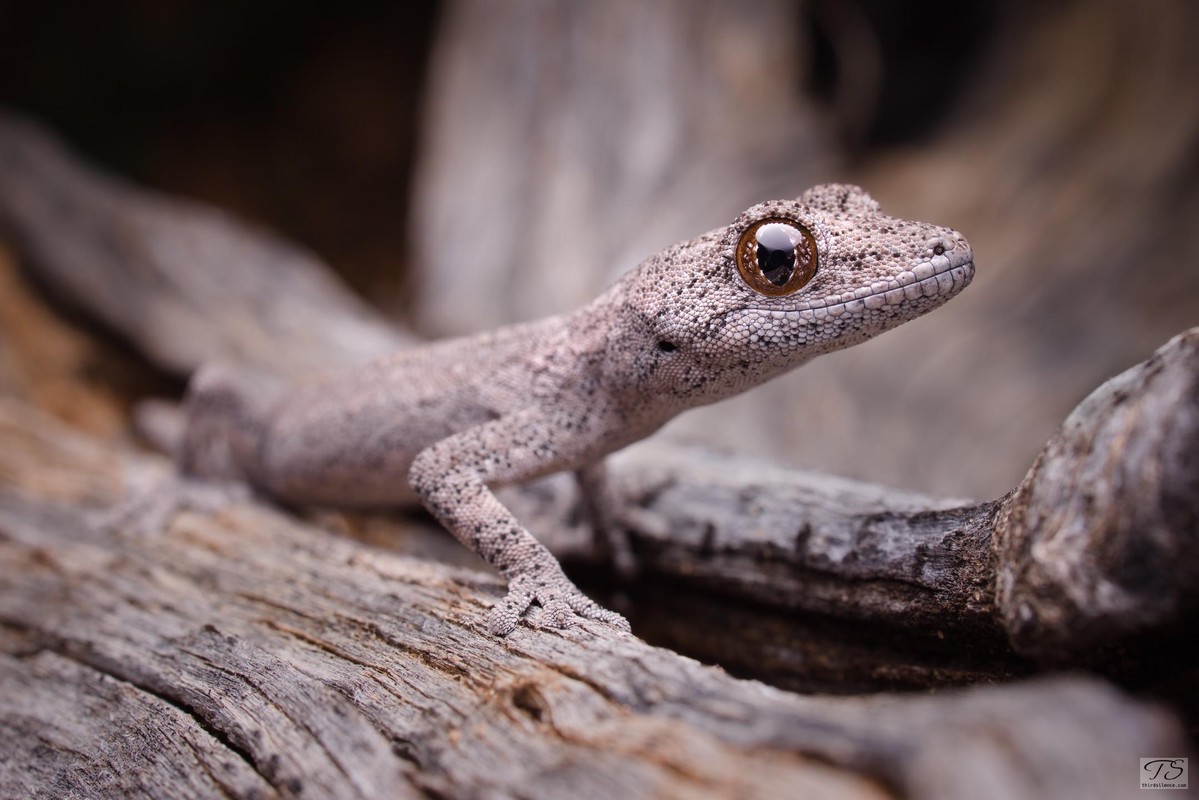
560,598
152,500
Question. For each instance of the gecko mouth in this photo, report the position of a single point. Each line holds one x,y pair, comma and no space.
939,277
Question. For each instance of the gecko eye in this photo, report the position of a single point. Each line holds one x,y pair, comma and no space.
776,257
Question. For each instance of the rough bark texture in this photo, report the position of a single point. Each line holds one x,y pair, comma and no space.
1098,544
235,649
812,582
241,650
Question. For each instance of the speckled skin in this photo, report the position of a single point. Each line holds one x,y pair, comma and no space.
445,422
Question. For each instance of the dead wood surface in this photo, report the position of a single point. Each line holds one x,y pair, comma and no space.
1122,469
242,651
289,657
1098,543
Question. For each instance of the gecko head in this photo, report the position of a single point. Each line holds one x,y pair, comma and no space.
787,281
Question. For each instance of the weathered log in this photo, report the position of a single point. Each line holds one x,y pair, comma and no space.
1100,543
244,652
184,281
812,582
288,657
921,569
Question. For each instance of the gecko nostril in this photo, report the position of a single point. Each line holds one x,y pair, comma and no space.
939,245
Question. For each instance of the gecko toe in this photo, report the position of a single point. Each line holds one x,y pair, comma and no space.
584,606
562,602
502,622
507,612
558,611
612,618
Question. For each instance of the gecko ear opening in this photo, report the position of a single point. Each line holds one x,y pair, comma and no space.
776,256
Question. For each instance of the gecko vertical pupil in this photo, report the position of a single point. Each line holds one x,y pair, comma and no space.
776,252
776,256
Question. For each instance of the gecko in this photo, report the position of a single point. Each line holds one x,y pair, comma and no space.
447,422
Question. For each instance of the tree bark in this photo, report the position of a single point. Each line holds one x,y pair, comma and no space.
1097,545
242,650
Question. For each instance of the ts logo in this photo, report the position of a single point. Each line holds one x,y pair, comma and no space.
1164,769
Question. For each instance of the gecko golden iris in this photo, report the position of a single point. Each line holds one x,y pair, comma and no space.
445,423
776,256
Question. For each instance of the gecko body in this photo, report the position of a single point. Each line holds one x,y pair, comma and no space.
702,320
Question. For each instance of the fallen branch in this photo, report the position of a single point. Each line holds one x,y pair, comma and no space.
186,285
244,651
283,656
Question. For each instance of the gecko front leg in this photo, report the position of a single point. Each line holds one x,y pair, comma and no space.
452,479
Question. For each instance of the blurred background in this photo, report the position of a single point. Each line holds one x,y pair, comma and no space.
466,164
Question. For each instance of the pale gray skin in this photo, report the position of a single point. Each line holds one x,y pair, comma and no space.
446,422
